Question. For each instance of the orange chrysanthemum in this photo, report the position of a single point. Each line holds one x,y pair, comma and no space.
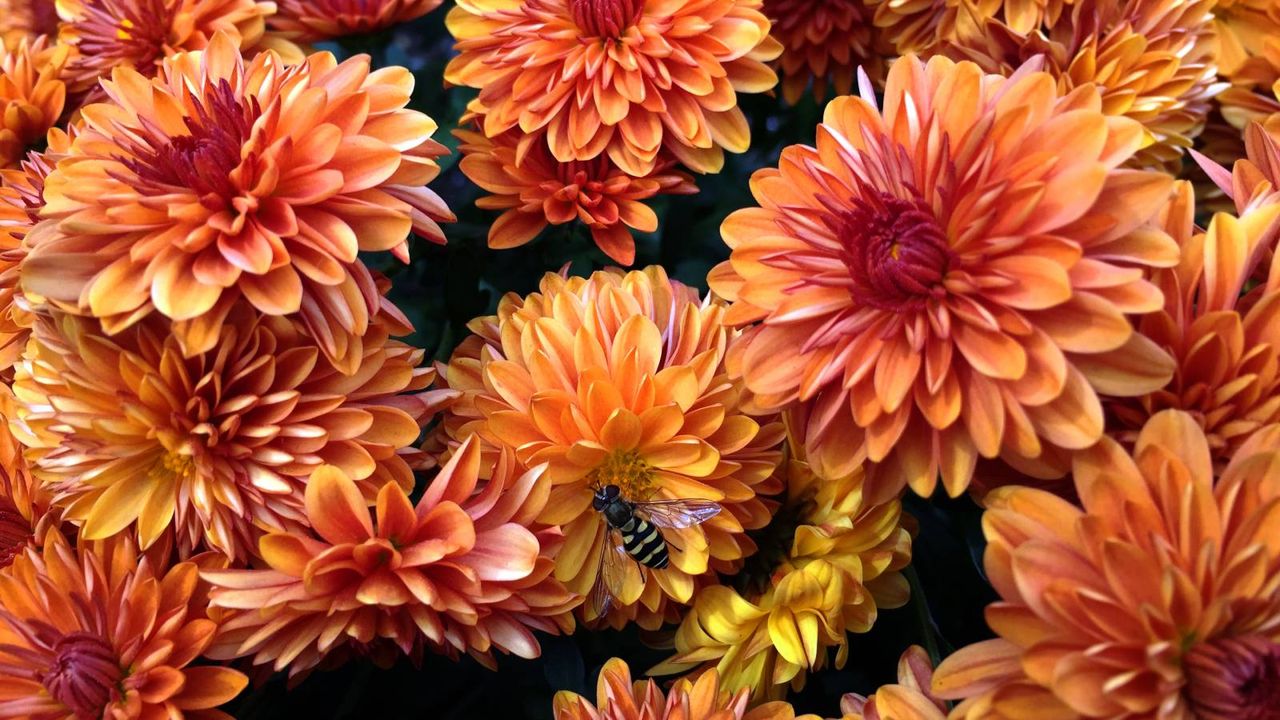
461,572
912,26
1244,28
24,502
829,560
619,379
140,34
622,77
127,431
535,190
910,699
617,698
312,20
1152,60
21,197
1252,96
825,42
1226,342
1158,599
101,632
948,278
32,95
223,178
27,19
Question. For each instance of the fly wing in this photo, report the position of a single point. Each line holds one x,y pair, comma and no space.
610,576
678,513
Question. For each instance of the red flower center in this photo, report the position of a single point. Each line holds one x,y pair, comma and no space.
1235,679
896,252
85,674
14,533
201,161
605,18
130,32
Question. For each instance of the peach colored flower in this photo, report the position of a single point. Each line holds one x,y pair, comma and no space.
1158,598
624,78
133,436
1223,339
32,95
910,699
825,43
21,197
535,190
100,631
312,20
1154,61
619,379
938,281
223,178
460,572
140,34
618,698
829,560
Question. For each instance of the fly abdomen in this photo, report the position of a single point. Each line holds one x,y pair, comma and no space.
644,542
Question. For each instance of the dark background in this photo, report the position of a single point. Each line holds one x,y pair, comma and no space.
446,286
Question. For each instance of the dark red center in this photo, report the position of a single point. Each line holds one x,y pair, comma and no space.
1235,679
85,675
15,531
129,32
201,161
605,18
896,251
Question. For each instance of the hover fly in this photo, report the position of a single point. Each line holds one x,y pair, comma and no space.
632,529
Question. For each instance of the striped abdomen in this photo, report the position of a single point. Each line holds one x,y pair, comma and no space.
644,542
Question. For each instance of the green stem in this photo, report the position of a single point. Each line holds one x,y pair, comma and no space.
921,606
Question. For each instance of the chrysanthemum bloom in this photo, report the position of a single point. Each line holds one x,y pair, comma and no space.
32,95
24,502
140,34
1152,60
938,281
21,197
910,699
619,379
830,559
100,632
27,19
130,434
618,698
825,43
535,190
312,20
622,77
1252,95
912,26
1226,343
223,178
1158,599
1244,28
460,571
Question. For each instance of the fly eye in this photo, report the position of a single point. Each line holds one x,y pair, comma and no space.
611,492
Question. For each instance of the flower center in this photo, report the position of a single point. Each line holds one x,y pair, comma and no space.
1235,679
896,252
627,470
203,160
129,32
173,466
605,19
14,533
85,674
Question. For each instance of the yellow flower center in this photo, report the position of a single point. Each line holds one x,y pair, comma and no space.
173,466
627,470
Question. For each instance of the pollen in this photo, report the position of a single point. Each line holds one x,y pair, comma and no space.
174,466
627,470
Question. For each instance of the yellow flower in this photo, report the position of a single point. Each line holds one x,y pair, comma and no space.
834,561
